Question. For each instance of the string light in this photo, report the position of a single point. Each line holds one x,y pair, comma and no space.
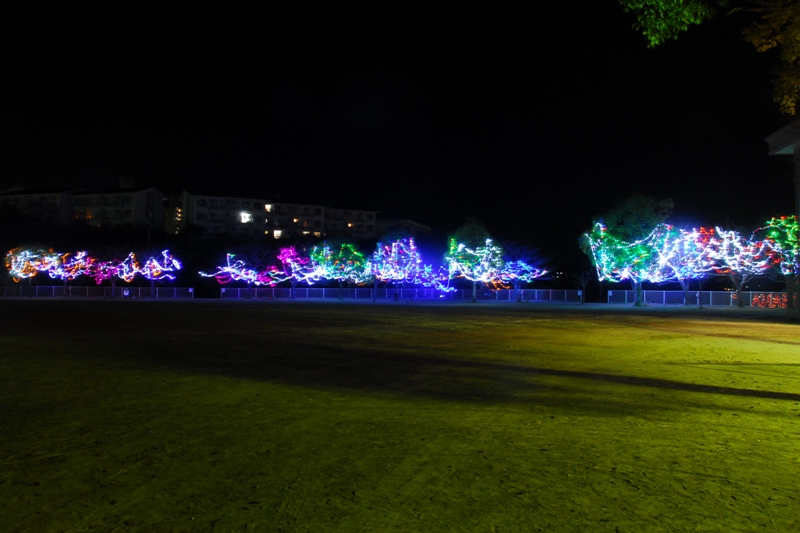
782,235
155,270
398,262
481,265
236,270
346,264
26,263
69,268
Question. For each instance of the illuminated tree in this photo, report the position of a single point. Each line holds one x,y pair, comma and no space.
519,274
295,268
616,259
481,264
25,263
342,264
782,235
157,270
740,259
624,241
777,26
686,255
522,266
237,270
70,268
398,262
110,267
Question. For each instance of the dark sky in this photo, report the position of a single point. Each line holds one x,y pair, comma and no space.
532,122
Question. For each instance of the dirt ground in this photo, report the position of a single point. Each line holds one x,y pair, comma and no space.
335,416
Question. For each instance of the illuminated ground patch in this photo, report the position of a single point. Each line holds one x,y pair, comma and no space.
303,416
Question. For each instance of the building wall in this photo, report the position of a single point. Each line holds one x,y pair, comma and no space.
143,207
51,207
241,217
351,223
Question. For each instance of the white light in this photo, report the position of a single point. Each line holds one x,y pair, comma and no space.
245,217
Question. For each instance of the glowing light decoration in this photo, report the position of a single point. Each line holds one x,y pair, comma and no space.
617,260
155,270
69,268
26,263
236,270
782,235
740,258
298,269
398,262
686,255
439,279
126,270
480,265
345,264
519,273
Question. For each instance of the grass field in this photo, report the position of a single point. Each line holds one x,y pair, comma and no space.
332,416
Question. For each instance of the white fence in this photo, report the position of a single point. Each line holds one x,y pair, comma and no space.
709,298
68,291
528,295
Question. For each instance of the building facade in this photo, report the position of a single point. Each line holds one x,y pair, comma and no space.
118,207
49,206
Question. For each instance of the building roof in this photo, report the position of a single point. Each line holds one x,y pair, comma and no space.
786,140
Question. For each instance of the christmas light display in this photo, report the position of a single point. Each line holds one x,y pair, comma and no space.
69,268
438,279
398,262
236,270
115,269
345,264
519,273
155,270
26,263
740,258
770,300
480,265
782,235
617,260
298,269
685,255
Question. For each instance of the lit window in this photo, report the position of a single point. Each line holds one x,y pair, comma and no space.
278,233
245,217
349,224
268,208
294,220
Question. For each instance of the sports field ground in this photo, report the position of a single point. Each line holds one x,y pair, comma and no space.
312,416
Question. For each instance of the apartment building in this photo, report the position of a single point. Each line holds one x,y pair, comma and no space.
351,223
239,216
117,207
50,206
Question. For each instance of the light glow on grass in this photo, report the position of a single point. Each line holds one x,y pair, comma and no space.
432,417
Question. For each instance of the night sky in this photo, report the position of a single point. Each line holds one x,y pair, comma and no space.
532,122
